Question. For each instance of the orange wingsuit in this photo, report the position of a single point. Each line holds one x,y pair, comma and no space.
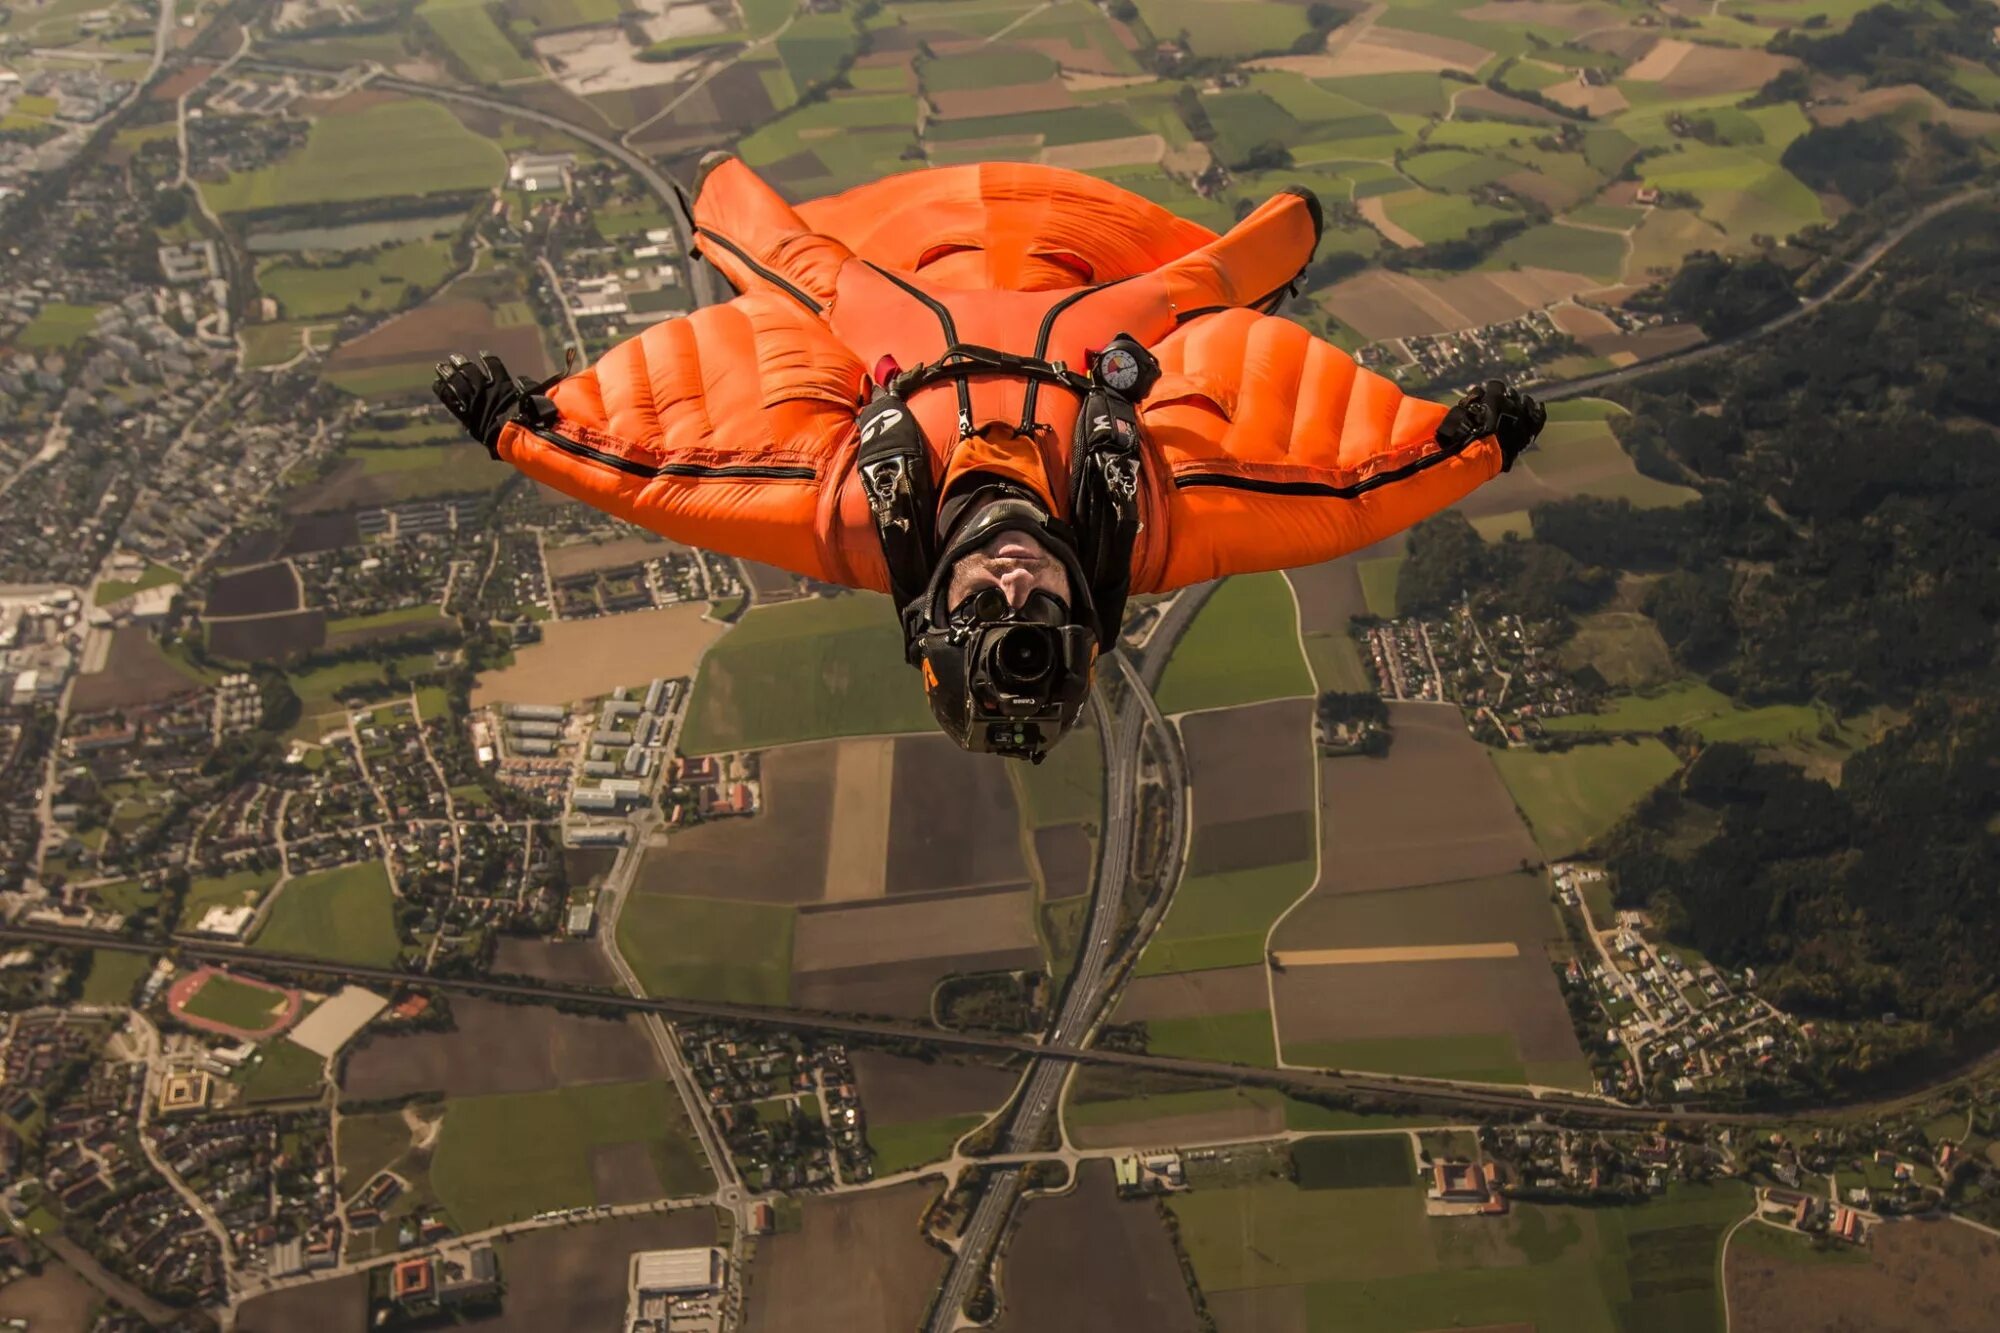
734,428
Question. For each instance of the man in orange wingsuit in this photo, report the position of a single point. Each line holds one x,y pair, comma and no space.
1007,395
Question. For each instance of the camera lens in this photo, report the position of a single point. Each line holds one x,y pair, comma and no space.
1024,656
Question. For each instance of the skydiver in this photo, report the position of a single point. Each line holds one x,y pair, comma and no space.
1008,396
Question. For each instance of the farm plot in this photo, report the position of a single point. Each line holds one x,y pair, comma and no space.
344,915
1380,304
573,962
367,283
1242,648
483,1177
708,948
1250,772
398,357
267,638
1065,857
778,857
1940,1275
338,1306
1360,1162
580,659
805,671
1429,813
255,592
500,1048
1585,458
365,477
886,957
1219,921
1572,797
576,1276
898,1090
342,162
1739,191
952,820
1443,980
1088,1260
136,672
809,1278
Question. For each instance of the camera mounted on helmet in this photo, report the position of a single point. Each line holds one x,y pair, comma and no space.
1003,679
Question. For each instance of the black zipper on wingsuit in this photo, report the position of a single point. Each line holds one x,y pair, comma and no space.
764,472
762,272
950,337
1229,481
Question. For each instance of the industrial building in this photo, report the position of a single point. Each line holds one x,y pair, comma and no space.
535,712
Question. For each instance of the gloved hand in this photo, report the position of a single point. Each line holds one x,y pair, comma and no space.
481,394
1511,417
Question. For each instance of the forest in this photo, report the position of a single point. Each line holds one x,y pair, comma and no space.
1845,550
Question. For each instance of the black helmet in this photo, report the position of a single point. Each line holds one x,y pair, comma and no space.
1003,680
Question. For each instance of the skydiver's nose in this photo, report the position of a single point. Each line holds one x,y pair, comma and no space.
1017,583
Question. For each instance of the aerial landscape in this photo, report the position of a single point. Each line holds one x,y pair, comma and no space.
428,900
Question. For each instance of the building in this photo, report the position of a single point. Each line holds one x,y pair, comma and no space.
1460,1182
185,1091
676,1272
226,922
463,1276
535,712
411,1280
582,917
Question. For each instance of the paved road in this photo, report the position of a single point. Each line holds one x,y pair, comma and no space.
1091,985
704,283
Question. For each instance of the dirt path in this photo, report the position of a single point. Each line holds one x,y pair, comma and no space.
1378,218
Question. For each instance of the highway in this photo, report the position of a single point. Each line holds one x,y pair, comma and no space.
1084,1003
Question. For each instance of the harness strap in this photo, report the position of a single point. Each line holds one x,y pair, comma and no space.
963,359
895,466
1104,502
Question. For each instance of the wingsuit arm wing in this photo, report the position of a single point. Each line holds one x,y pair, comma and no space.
717,430
1279,451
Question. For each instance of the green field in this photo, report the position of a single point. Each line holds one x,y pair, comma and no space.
1221,920
1476,1057
1367,1260
805,671
342,161
997,66
1242,28
345,914
1352,1162
223,999
1379,578
282,1071
708,948
901,1147
1068,786
504,1157
1336,663
1573,797
1740,191
467,29
1241,1038
1713,715
366,1142
1242,648
1584,457
1434,217
58,324
1624,646
235,889
113,976
369,282
1454,169
416,617
155,576
1595,254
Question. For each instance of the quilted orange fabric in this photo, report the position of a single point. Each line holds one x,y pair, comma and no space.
734,428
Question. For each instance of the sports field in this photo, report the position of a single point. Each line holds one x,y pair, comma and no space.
805,670
1242,648
282,1070
1572,797
346,915
901,1147
483,1176
708,948
343,161
223,999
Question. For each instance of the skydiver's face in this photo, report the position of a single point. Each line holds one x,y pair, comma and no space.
1017,563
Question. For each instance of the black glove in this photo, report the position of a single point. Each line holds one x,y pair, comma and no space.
1511,417
482,395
